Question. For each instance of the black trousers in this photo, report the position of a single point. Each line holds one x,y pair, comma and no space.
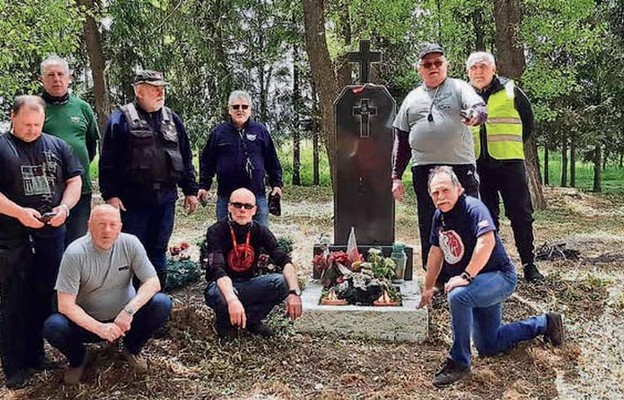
466,173
28,270
508,180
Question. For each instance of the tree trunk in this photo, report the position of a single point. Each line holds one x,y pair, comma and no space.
477,23
533,174
573,160
546,168
96,59
322,71
598,169
296,100
605,158
507,15
511,63
564,163
316,178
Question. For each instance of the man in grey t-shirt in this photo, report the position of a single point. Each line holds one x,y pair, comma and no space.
96,298
432,128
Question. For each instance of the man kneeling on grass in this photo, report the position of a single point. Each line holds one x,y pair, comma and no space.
96,298
466,245
241,297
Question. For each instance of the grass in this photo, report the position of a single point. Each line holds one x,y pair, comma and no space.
612,175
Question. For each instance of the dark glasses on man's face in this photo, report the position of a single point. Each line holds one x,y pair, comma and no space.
239,106
428,65
246,206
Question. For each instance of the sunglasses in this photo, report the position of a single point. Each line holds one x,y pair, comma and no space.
428,65
246,206
239,106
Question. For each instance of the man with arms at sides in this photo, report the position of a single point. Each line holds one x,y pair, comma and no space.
239,296
240,153
465,245
39,183
72,120
432,128
499,148
145,155
97,300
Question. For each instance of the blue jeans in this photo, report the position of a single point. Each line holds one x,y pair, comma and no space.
153,225
69,338
262,211
478,307
76,224
258,295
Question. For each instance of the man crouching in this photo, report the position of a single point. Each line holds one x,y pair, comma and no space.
96,298
239,296
466,246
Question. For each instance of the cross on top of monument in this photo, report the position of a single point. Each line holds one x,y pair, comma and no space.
364,57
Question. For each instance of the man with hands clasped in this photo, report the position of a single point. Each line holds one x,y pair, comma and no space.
466,246
96,298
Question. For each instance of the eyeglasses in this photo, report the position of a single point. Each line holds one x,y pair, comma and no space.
246,206
239,106
428,65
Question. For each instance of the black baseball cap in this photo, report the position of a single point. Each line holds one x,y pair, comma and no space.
153,78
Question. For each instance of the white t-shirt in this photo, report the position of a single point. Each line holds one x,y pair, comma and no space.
101,280
445,140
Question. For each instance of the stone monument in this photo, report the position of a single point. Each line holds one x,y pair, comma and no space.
364,137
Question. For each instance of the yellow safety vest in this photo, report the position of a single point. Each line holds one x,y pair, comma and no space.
503,127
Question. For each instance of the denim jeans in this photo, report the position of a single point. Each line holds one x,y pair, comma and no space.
153,225
69,338
258,295
262,212
478,307
76,224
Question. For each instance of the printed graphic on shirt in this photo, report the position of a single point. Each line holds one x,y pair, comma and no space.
452,246
75,120
39,179
483,223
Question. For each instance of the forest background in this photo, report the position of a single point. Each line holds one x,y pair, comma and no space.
568,55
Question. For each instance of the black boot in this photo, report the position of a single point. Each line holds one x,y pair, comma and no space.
531,274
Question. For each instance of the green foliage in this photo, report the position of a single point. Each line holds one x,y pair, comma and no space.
30,30
286,244
181,273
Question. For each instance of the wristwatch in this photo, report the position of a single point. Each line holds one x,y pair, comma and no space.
296,292
129,310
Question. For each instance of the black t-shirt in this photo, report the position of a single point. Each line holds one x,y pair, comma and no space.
33,175
219,245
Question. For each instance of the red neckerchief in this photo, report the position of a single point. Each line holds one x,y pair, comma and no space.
242,256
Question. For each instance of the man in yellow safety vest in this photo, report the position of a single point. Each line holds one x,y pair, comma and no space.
500,153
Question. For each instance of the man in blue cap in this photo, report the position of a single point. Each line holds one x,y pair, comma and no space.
433,128
145,155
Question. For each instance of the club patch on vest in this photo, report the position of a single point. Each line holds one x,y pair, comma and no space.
452,246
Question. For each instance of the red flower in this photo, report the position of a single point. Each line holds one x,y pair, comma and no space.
184,245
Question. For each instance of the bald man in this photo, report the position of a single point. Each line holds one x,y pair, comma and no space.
96,298
240,297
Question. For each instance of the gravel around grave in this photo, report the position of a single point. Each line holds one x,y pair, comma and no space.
186,362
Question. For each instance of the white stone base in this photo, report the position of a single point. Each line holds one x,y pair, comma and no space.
404,323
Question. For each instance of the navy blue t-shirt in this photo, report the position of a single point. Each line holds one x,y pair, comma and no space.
33,175
456,232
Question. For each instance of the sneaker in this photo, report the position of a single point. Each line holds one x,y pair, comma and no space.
136,361
73,375
555,331
17,380
531,274
450,373
260,329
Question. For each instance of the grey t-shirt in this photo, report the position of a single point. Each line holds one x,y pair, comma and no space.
445,140
102,279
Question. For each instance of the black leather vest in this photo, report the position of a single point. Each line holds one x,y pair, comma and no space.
155,160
